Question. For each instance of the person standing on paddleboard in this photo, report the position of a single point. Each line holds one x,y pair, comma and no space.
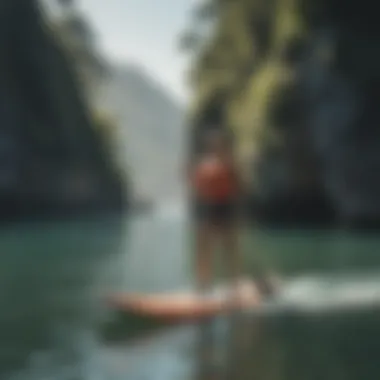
217,188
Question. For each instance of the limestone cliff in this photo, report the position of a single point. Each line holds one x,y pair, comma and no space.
53,158
297,81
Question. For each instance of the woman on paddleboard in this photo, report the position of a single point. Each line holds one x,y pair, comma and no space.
218,189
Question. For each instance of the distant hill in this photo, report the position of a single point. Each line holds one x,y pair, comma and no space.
152,130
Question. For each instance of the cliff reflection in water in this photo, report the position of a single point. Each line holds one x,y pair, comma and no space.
51,281
329,332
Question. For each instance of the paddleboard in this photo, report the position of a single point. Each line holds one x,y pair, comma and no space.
188,305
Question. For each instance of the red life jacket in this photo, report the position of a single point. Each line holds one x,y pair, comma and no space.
215,180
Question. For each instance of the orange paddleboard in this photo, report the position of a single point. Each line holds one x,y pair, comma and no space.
187,306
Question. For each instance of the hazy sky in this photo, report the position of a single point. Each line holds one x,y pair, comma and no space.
144,32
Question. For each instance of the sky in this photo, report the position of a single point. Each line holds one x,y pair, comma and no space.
144,32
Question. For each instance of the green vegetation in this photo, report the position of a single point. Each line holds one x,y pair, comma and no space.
244,58
76,38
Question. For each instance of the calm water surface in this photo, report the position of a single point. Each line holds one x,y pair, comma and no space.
53,278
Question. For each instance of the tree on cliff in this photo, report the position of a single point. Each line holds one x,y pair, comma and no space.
79,41
248,57
47,120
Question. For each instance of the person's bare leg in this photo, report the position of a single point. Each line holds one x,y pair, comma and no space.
204,246
232,252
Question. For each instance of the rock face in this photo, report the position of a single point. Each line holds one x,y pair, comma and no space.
299,87
152,132
52,158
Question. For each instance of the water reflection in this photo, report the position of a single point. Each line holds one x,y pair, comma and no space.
51,281
206,354
320,328
52,278
191,352
224,348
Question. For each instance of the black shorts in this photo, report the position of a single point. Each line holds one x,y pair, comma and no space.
219,213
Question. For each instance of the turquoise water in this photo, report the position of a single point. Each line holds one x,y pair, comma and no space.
53,278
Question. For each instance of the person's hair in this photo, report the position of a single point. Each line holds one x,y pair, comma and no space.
215,133
219,134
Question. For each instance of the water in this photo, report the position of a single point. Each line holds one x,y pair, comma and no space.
53,278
